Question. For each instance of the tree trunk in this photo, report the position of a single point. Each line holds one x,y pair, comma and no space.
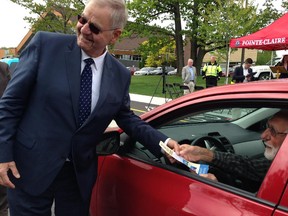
178,39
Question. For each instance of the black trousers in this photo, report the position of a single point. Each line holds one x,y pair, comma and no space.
3,201
211,81
63,192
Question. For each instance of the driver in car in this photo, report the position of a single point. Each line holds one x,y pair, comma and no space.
252,170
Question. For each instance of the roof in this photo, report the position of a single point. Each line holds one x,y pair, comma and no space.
272,37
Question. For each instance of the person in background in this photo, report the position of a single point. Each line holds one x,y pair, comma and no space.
189,76
4,79
243,73
64,92
253,170
212,72
284,63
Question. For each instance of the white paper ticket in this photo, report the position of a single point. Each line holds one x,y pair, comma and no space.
198,168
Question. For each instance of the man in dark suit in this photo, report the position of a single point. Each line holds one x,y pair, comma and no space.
47,151
4,79
243,73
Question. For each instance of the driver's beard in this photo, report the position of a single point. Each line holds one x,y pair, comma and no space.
270,153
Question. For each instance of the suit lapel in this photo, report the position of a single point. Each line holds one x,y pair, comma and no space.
107,80
73,68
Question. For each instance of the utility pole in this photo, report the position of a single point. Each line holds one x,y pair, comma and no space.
243,49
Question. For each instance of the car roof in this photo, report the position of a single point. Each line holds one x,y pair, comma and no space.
277,86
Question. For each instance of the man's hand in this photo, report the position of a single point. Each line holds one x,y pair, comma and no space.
175,146
209,176
196,153
4,168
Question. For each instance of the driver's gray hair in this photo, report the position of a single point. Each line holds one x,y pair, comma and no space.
283,114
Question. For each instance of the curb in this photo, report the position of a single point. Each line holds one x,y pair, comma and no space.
143,99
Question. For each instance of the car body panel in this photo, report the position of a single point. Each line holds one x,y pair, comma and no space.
131,186
276,177
282,209
121,173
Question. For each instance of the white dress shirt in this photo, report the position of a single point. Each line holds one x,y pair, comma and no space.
245,73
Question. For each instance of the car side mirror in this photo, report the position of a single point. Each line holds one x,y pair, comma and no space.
110,143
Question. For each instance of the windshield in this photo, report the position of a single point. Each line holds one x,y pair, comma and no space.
218,115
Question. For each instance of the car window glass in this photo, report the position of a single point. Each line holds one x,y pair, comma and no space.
225,126
216,115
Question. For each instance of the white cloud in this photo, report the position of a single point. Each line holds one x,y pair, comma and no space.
13,27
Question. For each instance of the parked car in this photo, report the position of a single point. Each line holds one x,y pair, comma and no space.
231,118
132,69
144,71
159,70
173,72
263,72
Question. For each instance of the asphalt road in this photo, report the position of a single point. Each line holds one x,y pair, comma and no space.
139,108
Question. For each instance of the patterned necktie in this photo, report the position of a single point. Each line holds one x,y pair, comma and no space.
85,92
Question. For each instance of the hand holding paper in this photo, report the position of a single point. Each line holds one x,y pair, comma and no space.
198,168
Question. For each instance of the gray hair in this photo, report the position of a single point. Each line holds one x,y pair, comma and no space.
119,13
283,114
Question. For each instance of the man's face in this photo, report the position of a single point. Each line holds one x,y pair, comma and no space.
213,59
190,63
274,136
247,65
92,43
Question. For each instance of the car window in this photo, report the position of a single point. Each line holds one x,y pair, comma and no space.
216,115
222,128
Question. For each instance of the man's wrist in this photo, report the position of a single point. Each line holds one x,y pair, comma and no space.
207,155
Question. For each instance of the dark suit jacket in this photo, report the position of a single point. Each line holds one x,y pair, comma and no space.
39,114
4,76
238,75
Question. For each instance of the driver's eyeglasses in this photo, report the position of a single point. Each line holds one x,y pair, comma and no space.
92,27
273,132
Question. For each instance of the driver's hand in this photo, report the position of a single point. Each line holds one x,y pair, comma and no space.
196,153
4,168
209,176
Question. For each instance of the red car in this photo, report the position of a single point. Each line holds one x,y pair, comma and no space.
232,117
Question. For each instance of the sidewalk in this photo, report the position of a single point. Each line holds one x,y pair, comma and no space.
143,99
147,99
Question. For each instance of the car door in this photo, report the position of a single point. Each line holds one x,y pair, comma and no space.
131,184
127,186
282,208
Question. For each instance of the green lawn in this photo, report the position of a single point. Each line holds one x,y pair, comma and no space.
147,85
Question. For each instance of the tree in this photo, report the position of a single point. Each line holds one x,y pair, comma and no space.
213,23
52,15
264,57
150,14
210,24
158,53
